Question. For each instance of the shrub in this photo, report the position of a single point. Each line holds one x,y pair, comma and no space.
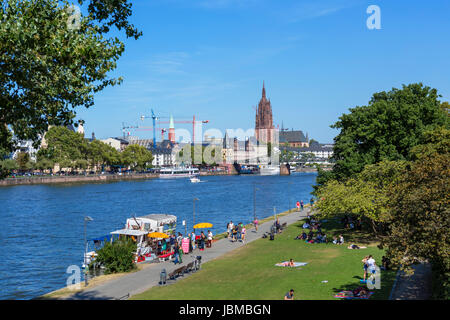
117,257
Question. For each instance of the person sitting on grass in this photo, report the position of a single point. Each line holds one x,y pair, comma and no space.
341,239
289,295
360,292
306,225
318,238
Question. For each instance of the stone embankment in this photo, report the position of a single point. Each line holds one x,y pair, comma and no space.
75,179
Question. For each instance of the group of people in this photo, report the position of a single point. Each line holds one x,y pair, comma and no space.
237,232
311,237
175,244
351,223
338,240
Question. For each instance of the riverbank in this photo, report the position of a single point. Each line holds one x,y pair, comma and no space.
336,265
117,286
249,271
75,179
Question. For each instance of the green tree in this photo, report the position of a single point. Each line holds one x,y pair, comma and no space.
117,257
63,146
7,166
365,195
420,214
23,161
138,157
100,153
44,164
386,129
48,68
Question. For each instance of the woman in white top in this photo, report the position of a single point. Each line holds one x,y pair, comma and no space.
210,237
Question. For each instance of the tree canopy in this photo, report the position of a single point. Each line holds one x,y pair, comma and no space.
386,129
47,68
420,214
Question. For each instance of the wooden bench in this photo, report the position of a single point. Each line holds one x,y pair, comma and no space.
190,266
177,272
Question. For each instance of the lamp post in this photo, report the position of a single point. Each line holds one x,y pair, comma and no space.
254,201
289,195
86,220
193,202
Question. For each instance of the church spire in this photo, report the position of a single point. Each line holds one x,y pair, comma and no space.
263,91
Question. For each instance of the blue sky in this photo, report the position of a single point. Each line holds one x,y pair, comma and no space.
317,58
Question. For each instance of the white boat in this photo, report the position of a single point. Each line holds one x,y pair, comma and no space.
136,228
178,172
195,179
269,170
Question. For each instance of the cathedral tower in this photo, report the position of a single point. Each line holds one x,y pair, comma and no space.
264,122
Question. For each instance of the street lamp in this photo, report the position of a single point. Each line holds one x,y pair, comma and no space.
193,202
254,201
289,195
86,220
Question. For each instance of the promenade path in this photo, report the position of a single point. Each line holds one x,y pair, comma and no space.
138,282
414,287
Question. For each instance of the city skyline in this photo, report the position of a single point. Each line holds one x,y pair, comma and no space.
313,71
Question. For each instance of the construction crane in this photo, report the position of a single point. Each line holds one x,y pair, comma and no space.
127,127
193,121
154,118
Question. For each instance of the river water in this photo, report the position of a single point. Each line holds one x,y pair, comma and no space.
43,229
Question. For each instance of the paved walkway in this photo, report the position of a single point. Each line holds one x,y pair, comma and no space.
138,282
414,287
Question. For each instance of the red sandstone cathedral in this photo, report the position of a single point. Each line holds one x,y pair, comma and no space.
264,130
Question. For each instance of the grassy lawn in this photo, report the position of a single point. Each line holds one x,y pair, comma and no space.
249,272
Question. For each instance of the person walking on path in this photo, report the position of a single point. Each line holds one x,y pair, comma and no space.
301,204
256,224
243,234
210,237
234,234
202,241
230,228
298,206
193,241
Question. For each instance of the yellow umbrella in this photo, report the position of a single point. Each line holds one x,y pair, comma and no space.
203,225
158,235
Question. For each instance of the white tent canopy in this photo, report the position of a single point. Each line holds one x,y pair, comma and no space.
130,232
151,222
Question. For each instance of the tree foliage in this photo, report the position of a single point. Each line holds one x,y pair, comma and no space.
364,195
117,256
48,69
386,129
138,157
420,214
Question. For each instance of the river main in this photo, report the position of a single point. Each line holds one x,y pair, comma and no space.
43,230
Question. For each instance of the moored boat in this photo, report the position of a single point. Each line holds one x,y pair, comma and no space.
178,172
269,170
